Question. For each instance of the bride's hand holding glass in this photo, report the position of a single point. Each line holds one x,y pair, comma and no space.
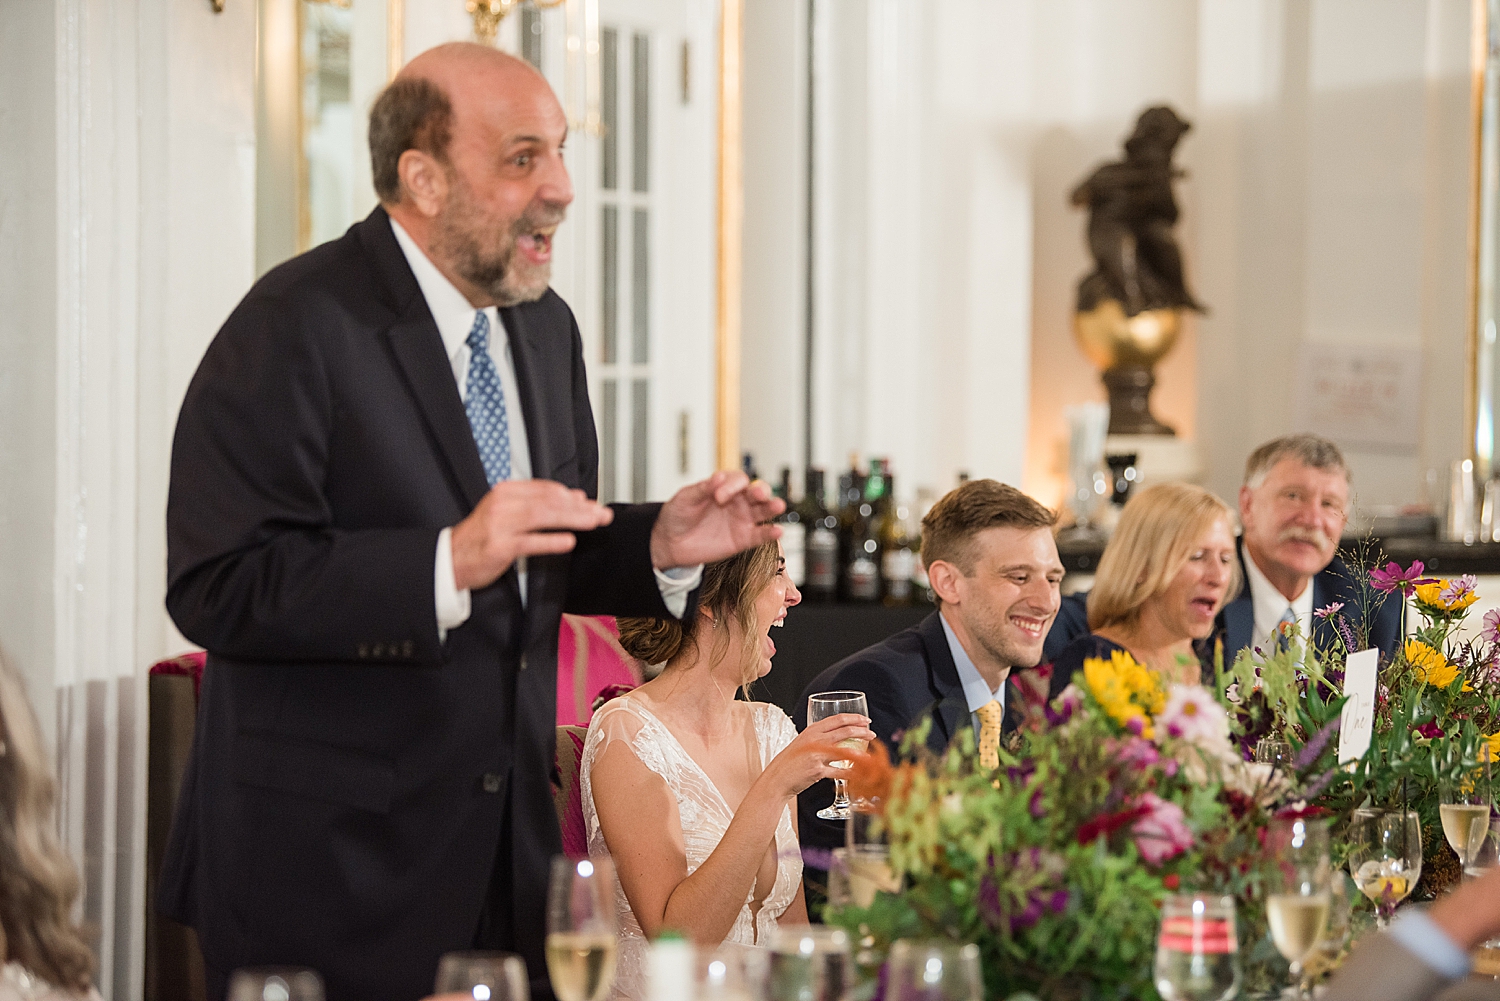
809,757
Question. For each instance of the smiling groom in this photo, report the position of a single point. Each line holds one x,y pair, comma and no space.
994,569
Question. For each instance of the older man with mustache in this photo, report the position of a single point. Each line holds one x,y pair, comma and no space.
1293,506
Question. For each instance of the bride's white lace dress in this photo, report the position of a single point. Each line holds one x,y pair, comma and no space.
704,813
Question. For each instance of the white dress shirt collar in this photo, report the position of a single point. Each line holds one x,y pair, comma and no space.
453,314
1270,604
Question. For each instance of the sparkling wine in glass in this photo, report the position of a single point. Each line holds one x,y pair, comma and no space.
582,938
275,983
483,976
936,970
1298,891
1385,857
822,706
1197,949
1464,809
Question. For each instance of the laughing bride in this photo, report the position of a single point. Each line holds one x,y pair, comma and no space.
692,791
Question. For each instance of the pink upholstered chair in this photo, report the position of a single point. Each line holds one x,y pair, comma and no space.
589,660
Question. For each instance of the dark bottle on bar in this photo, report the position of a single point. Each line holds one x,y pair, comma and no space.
921,587
898,555
822,541
793,531
862,562
846,509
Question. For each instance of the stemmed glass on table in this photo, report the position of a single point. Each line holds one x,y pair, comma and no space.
1385,857
937,970
275,983
822,706
582,933
1465,810
1298,892
809,963
483,976
1197,949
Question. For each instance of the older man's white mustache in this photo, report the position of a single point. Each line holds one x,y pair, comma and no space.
1296,534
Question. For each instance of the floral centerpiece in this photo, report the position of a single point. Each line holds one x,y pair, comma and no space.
1055,863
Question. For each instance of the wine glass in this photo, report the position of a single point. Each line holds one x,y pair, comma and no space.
809,963
484,976
1484,854
1325,957
1464,807
937,970
731,972
1273,751
275,983
822,706
1298,894
1385,857
1197,949
582,939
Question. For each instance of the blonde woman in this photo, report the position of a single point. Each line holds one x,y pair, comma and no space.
44,953
1167,571
693,791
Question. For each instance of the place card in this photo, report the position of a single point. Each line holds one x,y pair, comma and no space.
1357,722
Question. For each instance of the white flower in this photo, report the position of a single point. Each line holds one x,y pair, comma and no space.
1232,693
1192,714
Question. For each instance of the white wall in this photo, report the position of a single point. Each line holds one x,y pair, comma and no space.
1326,203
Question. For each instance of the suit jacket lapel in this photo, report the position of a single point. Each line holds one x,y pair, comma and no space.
952,711
525,351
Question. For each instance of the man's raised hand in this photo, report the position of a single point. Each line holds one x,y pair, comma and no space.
520,518
714,519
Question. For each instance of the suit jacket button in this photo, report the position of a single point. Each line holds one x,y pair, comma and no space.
407,648
364,651
491,782
379,650
523,662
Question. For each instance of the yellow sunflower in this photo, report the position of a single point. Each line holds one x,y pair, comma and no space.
1125,689
1493,740
1429,666
1431,595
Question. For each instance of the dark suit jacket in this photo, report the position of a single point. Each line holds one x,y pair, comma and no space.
905,678
352,774
1336,582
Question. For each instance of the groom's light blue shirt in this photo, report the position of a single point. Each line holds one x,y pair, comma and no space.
977,691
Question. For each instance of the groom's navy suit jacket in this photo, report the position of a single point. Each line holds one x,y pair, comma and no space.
355,776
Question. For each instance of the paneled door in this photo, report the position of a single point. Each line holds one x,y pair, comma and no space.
636,260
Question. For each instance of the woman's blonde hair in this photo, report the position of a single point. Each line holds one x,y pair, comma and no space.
38,883
1158,531
729,589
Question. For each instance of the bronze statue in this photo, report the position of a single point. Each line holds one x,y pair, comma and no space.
1131,215
1130,307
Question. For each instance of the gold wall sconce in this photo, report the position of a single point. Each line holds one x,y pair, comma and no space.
488,14
581,73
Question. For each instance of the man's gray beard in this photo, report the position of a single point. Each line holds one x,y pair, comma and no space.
458,239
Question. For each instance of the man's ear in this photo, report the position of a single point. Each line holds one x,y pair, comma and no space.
943,577
1246,496
424,182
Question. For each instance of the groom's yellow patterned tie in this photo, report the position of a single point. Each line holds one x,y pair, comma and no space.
990,715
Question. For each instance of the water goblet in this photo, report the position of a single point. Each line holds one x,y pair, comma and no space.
1298,892
937,970
809,963
275,983
581,931
822,706
483,976
1385,857
1197,949
1464,808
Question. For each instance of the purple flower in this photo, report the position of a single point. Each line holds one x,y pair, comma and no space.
817,858
1035,805
1135,726
1490,633
1163,832
1431,730
1067,704
1030,916
1393,578
1059,901
1458,589
1329,611
1346,632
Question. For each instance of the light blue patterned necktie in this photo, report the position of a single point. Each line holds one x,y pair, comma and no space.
485,404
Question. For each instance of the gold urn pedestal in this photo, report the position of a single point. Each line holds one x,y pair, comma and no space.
1126,348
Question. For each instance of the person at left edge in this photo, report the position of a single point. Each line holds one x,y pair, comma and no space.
380,506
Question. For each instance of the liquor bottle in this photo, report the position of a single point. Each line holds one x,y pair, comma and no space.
921,587
748,465
898,555
793,532
862,560
822,541
846,509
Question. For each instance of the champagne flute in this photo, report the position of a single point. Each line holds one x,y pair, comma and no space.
822,706
275,983
937,970
582,940
1464,808
1197,949
1484,854
1325,957
484,976
1298,894
809,963
1385,857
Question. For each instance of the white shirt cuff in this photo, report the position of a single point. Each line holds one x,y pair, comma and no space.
676,584
1426,939
452,604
